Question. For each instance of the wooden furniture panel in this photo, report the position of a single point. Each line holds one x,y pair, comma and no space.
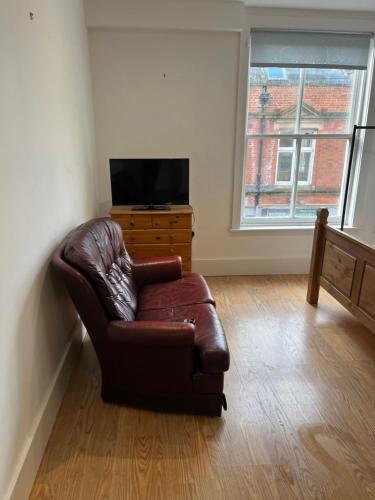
173,221
367,294
134,222
345,267
157,233
338,268
139,251
157,236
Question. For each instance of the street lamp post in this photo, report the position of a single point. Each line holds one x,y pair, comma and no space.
264,97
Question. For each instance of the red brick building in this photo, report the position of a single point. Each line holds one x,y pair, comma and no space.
325,109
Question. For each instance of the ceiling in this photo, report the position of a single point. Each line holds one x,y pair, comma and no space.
356,5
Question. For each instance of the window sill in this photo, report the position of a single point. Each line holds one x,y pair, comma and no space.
245,229
308,228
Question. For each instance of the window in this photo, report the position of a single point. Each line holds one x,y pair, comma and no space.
302,103
286,159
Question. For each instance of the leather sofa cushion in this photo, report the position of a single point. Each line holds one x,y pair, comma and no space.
212,354
190,289
96,248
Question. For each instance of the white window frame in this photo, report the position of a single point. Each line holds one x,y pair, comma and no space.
359,96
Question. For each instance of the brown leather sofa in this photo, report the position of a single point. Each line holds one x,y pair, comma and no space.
134,312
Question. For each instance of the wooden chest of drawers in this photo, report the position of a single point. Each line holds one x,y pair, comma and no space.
154,233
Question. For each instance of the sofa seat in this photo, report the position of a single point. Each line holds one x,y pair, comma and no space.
190,289
210,344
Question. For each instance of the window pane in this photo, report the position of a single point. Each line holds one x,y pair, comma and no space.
304,168
327,100
286,143
272,102
276,73
307,143
327,171
284,167
263,196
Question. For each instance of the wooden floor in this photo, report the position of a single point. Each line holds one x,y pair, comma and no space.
300,420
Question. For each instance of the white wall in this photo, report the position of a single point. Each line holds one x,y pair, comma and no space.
46,188
195,111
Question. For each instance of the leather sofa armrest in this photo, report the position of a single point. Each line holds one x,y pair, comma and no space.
157,269
150,357
151,334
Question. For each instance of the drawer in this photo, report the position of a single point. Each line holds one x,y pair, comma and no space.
139,251
134,221
171,221
157,236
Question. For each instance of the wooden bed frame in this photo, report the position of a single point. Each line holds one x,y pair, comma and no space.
345,267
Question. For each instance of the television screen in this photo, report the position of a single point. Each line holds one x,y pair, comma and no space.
150,181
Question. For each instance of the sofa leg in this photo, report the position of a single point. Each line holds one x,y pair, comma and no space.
225,406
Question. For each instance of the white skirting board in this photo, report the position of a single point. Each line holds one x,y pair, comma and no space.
252,266
32,453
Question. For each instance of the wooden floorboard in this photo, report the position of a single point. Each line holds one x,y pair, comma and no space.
300,422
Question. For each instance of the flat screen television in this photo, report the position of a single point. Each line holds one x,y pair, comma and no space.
150,183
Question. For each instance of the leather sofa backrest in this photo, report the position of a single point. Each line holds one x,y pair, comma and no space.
89,306
96,248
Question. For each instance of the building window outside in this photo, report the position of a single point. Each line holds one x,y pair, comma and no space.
286,159
298,131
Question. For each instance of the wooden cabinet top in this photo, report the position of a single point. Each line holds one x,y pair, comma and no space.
127,210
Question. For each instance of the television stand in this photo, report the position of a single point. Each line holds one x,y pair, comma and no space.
155,233
151,207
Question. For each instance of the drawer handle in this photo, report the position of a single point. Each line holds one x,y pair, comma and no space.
157,237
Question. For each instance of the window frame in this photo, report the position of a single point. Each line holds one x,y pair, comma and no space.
359,96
